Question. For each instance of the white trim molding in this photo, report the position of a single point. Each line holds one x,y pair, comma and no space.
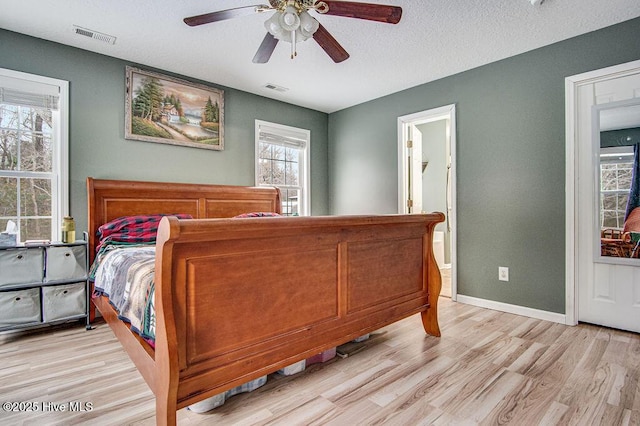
59,175
297,137
513,309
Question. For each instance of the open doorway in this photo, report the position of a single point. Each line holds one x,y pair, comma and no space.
426,181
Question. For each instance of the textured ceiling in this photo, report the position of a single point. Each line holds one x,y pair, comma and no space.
434,39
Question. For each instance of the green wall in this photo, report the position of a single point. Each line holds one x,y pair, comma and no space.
510,150
510,162
97,144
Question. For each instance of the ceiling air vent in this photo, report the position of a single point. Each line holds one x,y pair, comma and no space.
275,87
94,35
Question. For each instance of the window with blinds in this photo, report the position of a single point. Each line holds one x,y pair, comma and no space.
282,160
33,154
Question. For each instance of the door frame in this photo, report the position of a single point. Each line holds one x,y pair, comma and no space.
421,117
572,86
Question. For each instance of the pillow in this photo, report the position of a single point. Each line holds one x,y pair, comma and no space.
257,214
133,229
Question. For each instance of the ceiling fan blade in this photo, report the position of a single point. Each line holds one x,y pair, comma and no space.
265,50
330,45
368,11
222,15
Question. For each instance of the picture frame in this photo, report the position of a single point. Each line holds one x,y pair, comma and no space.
169,110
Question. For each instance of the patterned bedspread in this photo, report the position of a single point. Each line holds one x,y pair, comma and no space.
126,276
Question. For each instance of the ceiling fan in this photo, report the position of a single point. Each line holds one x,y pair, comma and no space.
292,22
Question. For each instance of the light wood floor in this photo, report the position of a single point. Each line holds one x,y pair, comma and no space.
445,275
487,368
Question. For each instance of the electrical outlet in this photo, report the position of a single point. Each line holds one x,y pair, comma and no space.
503,273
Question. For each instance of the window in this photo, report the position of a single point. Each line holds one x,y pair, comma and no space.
282,160
616,166
33,154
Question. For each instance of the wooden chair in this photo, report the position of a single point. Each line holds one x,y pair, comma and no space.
625,242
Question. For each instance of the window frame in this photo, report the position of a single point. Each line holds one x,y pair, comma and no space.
612,156
303,166
60,148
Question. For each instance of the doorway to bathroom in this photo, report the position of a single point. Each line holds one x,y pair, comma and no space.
427,180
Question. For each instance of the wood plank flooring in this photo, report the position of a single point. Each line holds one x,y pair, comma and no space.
488,368
445,274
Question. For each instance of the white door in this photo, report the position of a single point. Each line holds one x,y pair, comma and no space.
411,166
608,287
414,150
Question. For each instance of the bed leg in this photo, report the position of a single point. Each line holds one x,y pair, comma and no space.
165,414
430,321
434,285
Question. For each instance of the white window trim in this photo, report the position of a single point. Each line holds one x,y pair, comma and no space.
60,160
305,175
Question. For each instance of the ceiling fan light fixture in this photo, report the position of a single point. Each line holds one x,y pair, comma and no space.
308,24
292,23
273,26
291,26
289,19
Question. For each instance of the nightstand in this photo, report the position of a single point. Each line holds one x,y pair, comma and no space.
44,284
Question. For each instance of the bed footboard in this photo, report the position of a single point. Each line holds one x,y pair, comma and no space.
238,299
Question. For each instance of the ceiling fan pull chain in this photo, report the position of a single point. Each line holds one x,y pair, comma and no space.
293,44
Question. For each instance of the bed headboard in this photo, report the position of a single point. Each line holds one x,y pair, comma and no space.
110,199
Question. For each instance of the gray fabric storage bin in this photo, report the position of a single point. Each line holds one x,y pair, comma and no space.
19,307
65,263
21,266
63,301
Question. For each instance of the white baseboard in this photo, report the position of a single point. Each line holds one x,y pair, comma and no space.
513,309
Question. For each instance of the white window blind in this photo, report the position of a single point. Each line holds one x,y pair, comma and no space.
283,137
16,91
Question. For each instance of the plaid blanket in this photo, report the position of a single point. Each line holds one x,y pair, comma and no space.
133,229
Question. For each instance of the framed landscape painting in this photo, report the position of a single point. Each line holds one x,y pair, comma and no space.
168,110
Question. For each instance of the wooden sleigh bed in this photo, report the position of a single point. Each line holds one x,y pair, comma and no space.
236,299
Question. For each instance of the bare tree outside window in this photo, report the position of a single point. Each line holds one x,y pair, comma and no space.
615,184
279,166
26,149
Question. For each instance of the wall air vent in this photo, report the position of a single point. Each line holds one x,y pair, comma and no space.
94,35
275,87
